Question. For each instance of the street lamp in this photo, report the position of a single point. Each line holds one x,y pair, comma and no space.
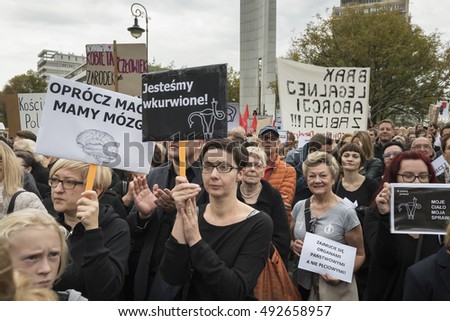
138,10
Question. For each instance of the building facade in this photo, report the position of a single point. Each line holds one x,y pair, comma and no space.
55,63
257,55
401,6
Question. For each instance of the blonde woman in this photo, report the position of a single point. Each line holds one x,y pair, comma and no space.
99,239
13,196
330,218
38,250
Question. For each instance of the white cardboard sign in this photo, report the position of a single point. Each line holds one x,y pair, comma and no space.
93,125
321,255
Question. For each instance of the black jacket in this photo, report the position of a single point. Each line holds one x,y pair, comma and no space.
149,237
98,257
391,255
429,279
271,202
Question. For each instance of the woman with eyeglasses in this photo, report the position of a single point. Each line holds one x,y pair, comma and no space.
390,150
99,239
330,218
259,194
13,196
392,254
218,250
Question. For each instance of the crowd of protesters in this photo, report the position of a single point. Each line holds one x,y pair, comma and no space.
207,235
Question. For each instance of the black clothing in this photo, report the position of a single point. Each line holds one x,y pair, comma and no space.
225,263
374,169
149,236
363,195
29,184
429,279
391,255
270,201
98,257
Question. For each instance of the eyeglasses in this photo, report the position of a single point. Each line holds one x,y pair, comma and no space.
391,154
269,138
410,177
256,165
222,168
69,184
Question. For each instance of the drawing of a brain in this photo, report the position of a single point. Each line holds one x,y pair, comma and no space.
95,142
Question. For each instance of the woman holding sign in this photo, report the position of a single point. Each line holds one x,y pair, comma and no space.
392,254
218,250
326,215
99,239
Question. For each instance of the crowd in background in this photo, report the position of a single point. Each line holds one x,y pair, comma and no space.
208,235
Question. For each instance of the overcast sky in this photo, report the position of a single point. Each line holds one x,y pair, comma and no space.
187,32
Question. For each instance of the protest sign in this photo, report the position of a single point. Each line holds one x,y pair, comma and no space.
321,255
131,63
93,125
30,111
185,104
439,165
232,116
331,100
419,208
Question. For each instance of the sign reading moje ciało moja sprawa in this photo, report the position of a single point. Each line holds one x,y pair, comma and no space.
419,208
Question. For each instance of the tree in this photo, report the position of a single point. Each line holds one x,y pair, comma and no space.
408,69
26,83
233,85
153,66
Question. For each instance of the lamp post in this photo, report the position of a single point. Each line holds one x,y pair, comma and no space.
138,10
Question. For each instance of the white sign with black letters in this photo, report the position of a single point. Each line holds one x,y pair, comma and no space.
93,125
321,255
331,100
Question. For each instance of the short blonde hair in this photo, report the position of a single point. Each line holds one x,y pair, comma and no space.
258,153
103,175
30,217
317,158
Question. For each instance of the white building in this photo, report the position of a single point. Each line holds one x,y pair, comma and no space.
401,6
257,55
55,63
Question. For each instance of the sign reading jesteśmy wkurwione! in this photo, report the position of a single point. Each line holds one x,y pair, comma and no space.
185,104
420,208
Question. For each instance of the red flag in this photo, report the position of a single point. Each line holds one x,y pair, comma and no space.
254,123
242,122
246,115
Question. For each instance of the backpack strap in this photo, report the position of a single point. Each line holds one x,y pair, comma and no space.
13,201
308,215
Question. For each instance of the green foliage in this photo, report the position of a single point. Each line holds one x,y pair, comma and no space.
232,85
408,69
26,83
153,66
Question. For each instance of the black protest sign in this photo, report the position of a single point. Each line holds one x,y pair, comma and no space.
420,208
185,104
